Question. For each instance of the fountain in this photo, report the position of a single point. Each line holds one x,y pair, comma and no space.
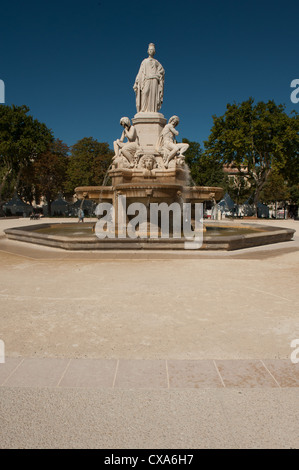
149,168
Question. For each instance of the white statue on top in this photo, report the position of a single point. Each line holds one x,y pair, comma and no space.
149,84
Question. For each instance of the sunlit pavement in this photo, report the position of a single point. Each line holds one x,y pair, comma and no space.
115,351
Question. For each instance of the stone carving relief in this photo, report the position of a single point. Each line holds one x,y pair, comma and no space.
167,154
148,163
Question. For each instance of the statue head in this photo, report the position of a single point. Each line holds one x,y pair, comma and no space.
148,162
125,121
174,120
151,49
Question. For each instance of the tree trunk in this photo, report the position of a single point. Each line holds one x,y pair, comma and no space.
1,189
255,202
2,213
4,181
259,187
260,180
18,179
49,202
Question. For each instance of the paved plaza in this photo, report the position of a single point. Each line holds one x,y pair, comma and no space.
149,350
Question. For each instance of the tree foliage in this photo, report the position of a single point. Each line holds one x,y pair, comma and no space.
22,139
275,189
88,163
294,194
238,187
205,170
256,136
49,172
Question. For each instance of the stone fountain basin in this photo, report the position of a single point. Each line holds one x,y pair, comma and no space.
217,236
157,191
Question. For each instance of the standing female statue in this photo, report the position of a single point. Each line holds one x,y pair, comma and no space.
149,84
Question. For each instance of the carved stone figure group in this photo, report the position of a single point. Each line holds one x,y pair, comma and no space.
128,154
149,88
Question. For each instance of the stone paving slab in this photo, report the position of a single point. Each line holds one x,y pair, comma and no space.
193,374
43,372
245,374
89,373
284,371
148,374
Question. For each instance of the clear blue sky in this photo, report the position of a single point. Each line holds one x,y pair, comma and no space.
74,62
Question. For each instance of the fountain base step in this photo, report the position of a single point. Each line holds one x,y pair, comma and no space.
74,236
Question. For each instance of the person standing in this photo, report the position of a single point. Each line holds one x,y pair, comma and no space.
81,215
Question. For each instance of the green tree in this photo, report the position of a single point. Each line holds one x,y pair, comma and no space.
88,164
22,139
27,185
294,200
205,170
275,189
49,172
290,171
238,187
294,194
257,137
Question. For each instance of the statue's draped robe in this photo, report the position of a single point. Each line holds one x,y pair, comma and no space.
149,90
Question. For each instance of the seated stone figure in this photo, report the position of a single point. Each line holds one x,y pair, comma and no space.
126,149
167,142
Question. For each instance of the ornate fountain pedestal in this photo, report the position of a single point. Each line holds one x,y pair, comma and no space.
143,190
149,127
149,186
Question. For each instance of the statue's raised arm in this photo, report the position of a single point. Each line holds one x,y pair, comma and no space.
149,84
